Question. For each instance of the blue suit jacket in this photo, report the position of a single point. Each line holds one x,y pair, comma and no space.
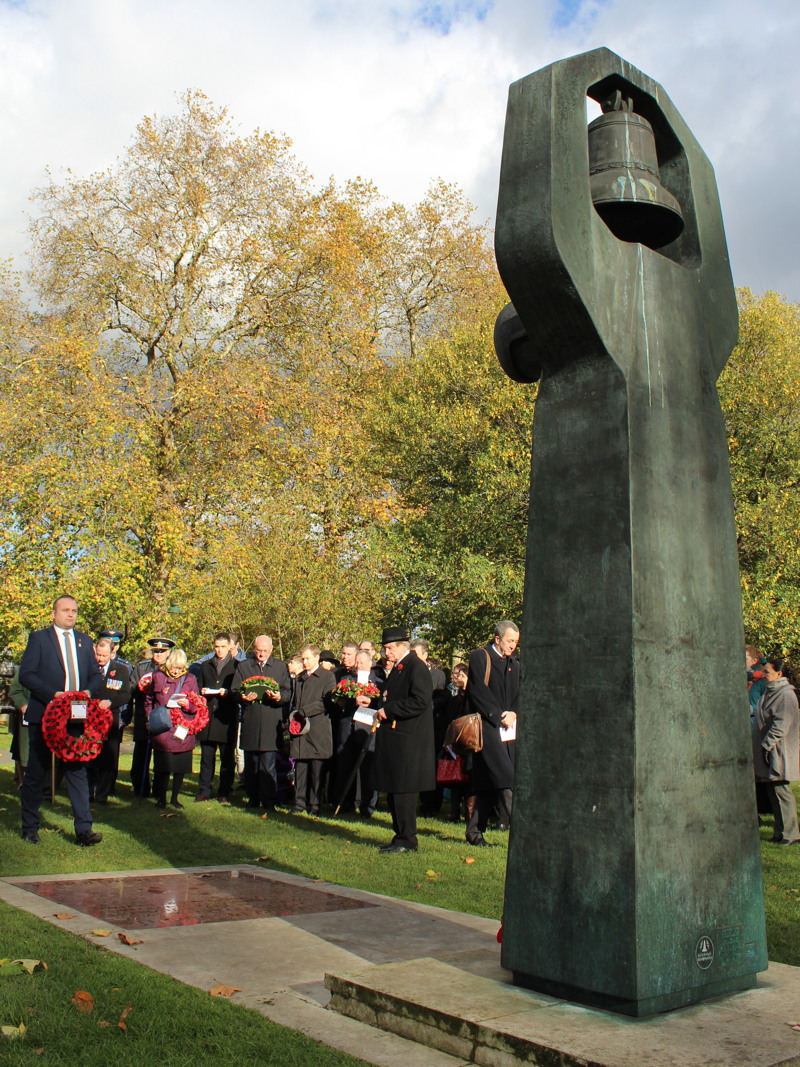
42,669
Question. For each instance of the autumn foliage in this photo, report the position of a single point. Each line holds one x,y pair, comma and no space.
234,397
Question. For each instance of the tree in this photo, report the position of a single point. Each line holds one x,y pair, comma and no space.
191,405
455,434
760,396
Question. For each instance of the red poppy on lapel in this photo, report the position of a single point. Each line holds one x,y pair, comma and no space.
399,667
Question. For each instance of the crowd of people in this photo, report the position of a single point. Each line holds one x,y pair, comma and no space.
317,734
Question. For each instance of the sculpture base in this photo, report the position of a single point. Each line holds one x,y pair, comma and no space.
639,1009
482,1019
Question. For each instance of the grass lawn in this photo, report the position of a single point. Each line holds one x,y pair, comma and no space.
136,835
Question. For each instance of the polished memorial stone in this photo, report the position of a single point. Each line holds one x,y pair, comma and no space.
634,878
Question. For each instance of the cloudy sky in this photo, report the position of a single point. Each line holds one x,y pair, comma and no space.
402,91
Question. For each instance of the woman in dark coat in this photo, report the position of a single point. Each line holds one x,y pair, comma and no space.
310,750
171,755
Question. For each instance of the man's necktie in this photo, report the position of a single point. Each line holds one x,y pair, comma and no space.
72,666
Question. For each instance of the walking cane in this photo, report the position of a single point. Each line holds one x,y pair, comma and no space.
52,777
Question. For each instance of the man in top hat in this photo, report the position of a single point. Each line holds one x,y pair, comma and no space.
57,660
405,761
159,648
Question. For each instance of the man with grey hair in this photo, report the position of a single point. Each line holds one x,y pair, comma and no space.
492,692
263,714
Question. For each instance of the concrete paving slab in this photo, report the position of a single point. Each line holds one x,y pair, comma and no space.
494,1024
278,962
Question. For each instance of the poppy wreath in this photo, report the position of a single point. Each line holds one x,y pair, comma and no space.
349,689
200,709
85,746
259,684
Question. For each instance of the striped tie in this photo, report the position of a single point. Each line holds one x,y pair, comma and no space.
72,666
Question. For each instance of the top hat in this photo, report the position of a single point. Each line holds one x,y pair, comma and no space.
394,633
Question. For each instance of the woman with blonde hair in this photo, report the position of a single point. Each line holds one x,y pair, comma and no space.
172,747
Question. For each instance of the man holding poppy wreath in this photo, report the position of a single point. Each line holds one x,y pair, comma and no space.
57,660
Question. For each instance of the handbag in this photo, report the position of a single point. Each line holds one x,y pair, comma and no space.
465,734
159,720
451,771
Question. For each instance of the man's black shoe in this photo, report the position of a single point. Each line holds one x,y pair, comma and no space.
395,848
89,837
480,842
32,838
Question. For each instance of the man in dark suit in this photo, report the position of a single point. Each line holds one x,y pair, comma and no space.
492,691
261,736
404,762
215,680
58,659
116,689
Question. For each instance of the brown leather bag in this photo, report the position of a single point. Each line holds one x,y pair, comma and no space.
465,734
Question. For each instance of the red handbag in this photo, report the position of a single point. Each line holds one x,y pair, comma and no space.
451,771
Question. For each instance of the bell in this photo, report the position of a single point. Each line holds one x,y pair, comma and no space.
624,181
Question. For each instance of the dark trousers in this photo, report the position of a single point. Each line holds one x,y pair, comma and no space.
161,784
360,794
403,807
784,807
208,753
103,770
37,777
486,802
140,767
260,778
307,774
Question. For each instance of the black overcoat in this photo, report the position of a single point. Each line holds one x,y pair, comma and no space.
262,724
223,712
311,697
493,767
405,757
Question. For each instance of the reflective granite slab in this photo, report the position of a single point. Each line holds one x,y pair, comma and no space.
148,902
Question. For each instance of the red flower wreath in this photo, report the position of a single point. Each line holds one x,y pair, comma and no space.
200,709
85,746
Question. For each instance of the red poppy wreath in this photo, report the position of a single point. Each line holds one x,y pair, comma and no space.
85,746
198,705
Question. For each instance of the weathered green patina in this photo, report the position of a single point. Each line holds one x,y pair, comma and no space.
634,878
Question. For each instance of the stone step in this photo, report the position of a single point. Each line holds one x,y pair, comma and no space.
494,1024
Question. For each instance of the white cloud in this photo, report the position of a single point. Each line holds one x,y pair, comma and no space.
400,91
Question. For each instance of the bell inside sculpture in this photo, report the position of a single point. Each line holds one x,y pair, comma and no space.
624,179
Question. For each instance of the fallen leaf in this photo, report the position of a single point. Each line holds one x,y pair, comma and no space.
101,933
433,875
63,915
468,859
294,847
9,967
121,1023
419,885
83,1001
103,1023
13,1032
263,859
130,940
265,815
224,990
170,814
39,1051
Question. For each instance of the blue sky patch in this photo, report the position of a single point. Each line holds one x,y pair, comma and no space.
441,17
